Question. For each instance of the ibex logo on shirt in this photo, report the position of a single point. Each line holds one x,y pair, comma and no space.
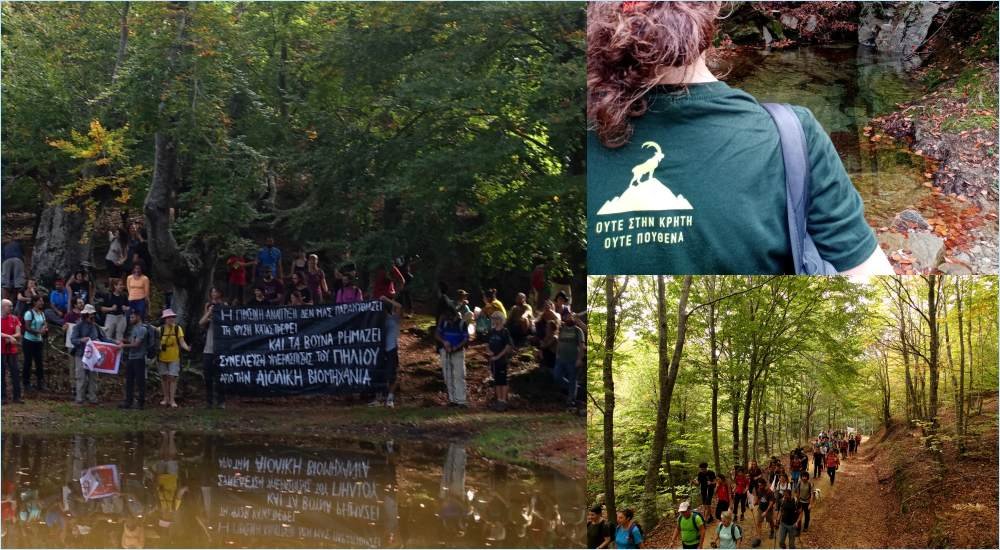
643,193
647,194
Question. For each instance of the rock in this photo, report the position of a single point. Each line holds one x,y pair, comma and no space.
790,21
893,241
811,23
767,36
908,220
927,250
954,269
899,31
57,250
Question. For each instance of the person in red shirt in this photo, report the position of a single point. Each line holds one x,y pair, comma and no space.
832,463
537,286
237,277
10,327
741,485
722,495
385,282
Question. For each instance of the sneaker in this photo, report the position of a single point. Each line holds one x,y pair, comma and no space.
390,403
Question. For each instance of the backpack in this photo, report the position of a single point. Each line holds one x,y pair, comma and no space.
152,342
631,536
733,530
795,154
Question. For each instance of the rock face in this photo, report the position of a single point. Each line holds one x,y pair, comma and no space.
899,29
57,251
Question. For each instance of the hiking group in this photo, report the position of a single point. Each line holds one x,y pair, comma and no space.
118,310
778,498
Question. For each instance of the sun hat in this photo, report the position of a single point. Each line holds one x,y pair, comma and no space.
168,313
88,310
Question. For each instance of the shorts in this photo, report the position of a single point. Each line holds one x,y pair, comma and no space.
138,305
500,373
172,368
706,497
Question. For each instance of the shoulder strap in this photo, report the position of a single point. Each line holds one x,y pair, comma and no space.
795,154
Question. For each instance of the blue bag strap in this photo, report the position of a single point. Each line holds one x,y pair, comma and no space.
795,154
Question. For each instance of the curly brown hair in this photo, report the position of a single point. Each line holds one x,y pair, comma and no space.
629,44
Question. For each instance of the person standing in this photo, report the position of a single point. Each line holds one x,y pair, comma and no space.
114,307
169,359
10,333
741,485
765,506
83,332
25,297
706,487
392,325
316,280
349,292
519,322
137,336
214,392
385,281
627,533
138,290
81,288
269,257
35,330
453,335
274,291
832,463
237,277
570,352
500,347
723,496
817,460
790,515
117,252
598,530
804,493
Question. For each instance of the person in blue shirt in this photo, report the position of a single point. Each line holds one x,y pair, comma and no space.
269,256
453,335
628,534
58,304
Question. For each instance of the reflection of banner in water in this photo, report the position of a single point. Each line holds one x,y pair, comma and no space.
101,357
332,498
302,349
100,482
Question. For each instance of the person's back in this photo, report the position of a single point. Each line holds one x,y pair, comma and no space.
696,184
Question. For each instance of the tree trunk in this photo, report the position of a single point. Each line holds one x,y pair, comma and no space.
184,270
57,250
609,396
714,351
668,376
932,306
960,409
122,42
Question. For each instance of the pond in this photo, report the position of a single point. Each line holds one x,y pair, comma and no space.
845,86
195,490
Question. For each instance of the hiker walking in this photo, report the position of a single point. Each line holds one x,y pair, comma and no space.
765,507
817,459
741,486
598,530
628,534
790,514
727,533
690,527
832,463
723,496
706,485
804,494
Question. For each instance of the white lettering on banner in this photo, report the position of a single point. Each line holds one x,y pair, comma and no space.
339,377
265,378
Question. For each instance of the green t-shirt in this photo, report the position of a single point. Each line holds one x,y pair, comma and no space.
700,188
690,526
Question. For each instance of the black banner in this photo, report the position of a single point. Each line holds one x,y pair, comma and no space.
302,349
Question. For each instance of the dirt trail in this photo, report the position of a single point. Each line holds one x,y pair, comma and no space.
853,513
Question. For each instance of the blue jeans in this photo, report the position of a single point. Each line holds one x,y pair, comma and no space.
565,376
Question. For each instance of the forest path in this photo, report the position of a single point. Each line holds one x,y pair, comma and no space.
852,513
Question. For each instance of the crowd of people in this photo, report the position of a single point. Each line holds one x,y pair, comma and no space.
778,497
118,310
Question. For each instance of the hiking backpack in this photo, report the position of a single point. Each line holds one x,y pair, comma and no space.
795,154
733,529
631,537
694,521
152,342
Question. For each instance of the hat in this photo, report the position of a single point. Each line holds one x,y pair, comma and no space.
88,310
168,313
684,507
461,292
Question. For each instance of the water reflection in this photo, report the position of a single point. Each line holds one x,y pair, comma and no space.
182,490
845,86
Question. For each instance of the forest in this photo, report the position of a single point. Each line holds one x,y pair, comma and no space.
452,132
725,370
